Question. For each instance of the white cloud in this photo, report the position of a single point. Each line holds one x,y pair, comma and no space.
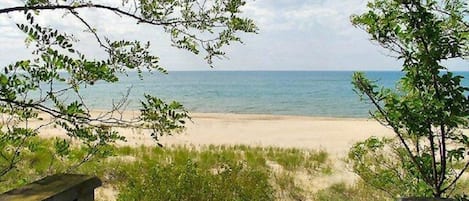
10,3
294,34
303,15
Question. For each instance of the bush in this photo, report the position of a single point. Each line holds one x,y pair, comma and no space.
384,165
357,192
189,182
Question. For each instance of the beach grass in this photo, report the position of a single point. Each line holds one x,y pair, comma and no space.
183,172
186,172
355,192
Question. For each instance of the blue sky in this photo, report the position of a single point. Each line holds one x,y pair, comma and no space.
294,35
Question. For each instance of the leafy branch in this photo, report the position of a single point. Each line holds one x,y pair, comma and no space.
48,86
429,106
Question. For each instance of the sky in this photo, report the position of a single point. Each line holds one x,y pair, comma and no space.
293,35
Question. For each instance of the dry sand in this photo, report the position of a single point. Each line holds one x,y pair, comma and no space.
334,135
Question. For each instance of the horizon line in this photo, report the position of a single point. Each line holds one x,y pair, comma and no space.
294,70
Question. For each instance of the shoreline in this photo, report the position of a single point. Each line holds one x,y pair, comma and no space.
269,116
246,115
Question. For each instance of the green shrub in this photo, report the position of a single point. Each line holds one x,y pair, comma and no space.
384,165
357,192
187,181
181,172
288,187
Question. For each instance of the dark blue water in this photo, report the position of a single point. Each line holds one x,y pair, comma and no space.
309,93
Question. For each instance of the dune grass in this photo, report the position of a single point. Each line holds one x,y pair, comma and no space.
214,172
184,172
356,192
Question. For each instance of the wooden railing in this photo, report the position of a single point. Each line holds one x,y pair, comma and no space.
425,199
63,187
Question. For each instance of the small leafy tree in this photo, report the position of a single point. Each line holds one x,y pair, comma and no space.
385,165
429,106
47,85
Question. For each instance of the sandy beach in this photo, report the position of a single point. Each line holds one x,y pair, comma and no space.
334,135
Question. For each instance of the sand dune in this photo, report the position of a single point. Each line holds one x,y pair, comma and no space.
334,135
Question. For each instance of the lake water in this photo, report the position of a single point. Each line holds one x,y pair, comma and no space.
308,93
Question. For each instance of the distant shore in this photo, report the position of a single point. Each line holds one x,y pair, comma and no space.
334,135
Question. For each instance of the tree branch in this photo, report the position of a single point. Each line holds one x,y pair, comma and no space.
396,130
90,29
457,177
98,6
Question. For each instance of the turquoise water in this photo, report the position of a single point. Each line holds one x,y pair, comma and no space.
310,93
